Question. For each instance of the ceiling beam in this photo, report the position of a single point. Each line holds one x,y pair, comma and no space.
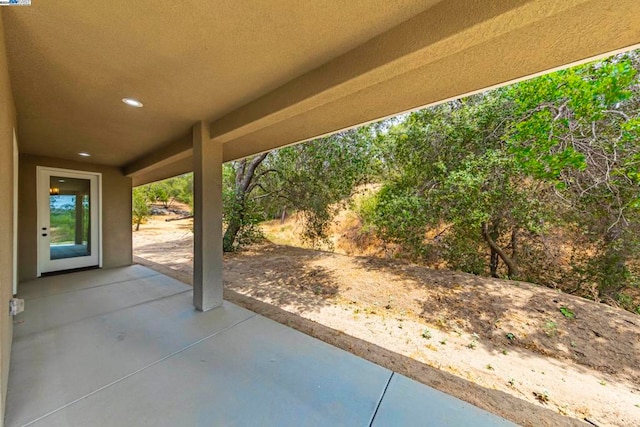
173,152
483,44
456,48
169,170
447,28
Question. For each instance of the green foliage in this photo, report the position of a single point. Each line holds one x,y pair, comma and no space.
140,206
579,127
566,312
62,211
168,191
241,214
628,303
452,168
485,182
316,178
399,217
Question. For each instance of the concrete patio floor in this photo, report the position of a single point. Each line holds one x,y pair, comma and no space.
125,347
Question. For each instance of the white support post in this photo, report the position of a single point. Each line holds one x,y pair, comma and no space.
207,220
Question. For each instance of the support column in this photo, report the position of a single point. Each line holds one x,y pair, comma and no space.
207,219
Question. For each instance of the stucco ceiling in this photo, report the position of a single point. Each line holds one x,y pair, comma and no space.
72,62
263,74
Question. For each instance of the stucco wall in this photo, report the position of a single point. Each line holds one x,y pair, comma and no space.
7,124
116,213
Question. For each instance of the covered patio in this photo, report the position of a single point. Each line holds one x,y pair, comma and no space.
125,346
119,94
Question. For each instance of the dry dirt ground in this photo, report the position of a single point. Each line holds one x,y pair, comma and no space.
504,346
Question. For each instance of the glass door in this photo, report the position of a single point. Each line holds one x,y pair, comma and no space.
68,211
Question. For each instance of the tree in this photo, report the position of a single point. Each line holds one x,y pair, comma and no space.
450,168
239,210
495,176
311,178
141,211
316,178
168,191
588,117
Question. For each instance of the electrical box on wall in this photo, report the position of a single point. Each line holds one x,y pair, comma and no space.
16,306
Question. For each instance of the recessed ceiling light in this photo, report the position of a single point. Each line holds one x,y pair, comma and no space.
61,180
132,102
83,154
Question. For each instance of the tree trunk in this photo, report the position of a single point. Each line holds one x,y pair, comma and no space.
493,264
180,218
244,184
235,222
495,258
511,265
230,235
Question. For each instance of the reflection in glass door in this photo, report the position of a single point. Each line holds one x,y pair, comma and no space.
69,217
68,233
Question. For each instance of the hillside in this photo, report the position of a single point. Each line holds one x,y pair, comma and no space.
348,236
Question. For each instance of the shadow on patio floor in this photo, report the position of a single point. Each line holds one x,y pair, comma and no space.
494,401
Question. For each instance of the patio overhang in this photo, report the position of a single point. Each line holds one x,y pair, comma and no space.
454,48
220,81
224,81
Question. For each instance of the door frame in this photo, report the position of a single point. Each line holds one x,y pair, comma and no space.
39,199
